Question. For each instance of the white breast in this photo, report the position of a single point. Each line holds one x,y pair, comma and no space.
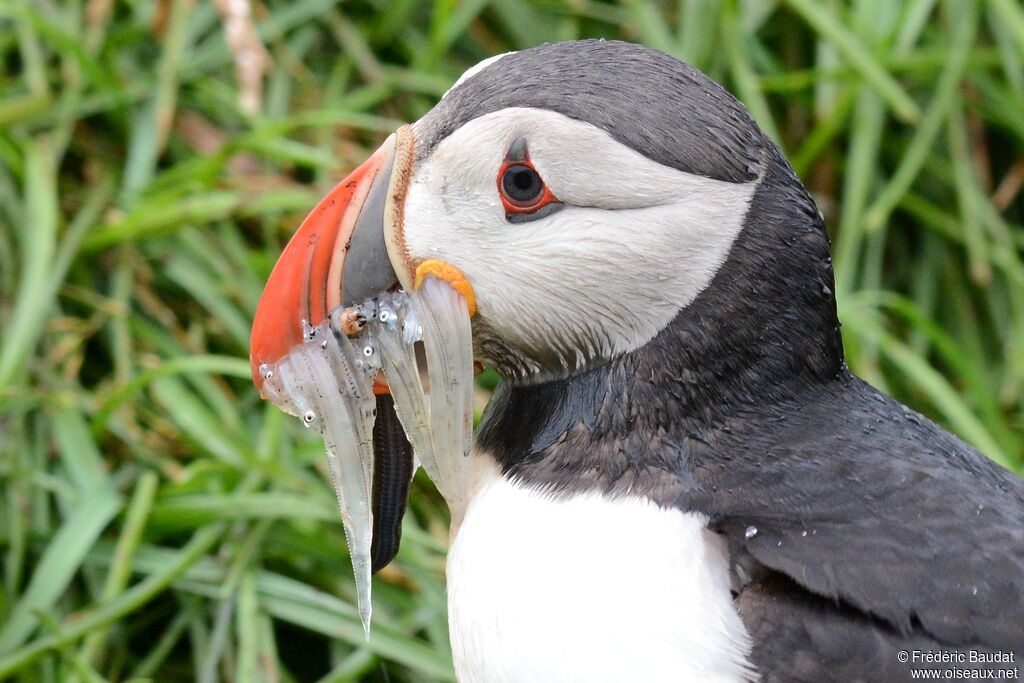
587,588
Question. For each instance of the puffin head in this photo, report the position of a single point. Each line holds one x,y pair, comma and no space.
640,264
583,196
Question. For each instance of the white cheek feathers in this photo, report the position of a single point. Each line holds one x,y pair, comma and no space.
636,242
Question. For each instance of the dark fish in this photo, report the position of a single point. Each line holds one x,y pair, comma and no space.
392,475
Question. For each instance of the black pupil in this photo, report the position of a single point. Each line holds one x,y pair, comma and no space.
522,183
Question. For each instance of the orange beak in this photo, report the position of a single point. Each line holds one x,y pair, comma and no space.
340,255
344,253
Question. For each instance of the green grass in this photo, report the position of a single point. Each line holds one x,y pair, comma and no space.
158,521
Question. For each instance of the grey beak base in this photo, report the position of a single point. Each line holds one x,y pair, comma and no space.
368,270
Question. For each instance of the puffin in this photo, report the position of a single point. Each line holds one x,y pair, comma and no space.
677,478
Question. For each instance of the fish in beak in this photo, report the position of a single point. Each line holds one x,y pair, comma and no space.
373,351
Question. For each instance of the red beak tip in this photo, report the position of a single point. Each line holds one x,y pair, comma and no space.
305,284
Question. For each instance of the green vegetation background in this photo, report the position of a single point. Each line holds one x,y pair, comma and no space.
158,521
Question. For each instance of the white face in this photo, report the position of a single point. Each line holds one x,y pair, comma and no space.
635,242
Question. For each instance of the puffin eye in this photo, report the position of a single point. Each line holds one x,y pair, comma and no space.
523,192
521,185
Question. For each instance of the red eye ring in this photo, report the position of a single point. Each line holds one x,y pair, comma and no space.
521,188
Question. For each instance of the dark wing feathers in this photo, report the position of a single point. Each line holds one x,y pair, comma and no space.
868,505
799,637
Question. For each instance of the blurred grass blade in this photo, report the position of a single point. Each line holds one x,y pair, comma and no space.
79,454
964,27
58,565
217,644
132,599
247,630
964,181
124,554
1012,15
37,241
221,365
188,411
747,85
868,126
154,119
848,45
206,290
162,649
